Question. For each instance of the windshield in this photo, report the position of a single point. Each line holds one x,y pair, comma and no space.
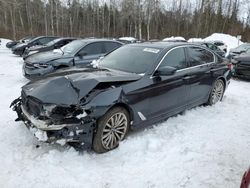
52,42
243,47
33,39
248,51
130,58
73,47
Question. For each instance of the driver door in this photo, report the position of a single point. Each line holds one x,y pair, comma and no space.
168,94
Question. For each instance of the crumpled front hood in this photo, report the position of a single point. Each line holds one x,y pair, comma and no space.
70,89
243,57
45,57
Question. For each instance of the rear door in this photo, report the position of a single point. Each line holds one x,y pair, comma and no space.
200,80
92,52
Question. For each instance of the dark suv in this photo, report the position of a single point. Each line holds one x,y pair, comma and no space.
76,53
42,40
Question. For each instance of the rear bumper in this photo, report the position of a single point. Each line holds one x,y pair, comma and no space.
80,132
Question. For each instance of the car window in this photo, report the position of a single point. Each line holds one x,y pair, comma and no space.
67,41
175,58
212,47
45,40
62,43
73,47
94,48
199,56
110,46
218,43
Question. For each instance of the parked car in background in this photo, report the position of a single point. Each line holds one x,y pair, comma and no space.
245,183
54,44
134,86
220,44
174,39
23,40
76,53
212,47
127,40
42,40
241,65
239,50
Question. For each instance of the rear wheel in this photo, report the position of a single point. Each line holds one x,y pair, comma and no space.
111,129
217,92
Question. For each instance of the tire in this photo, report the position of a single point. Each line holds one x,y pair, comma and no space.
217,92
109,132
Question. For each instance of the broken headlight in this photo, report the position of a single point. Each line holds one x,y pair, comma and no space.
60,112
32,52
40,65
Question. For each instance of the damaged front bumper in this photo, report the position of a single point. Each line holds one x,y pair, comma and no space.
78,133
32,72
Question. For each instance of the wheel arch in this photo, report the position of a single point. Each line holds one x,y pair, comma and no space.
126,107
224,81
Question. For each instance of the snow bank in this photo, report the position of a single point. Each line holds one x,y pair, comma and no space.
230,41
128,38
3,43
195,40
169,39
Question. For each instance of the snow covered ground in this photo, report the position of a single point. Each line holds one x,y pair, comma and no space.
206,147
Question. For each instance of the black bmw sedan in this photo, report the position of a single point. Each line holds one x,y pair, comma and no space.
134,86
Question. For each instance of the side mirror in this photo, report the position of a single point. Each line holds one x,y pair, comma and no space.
82,53
165,71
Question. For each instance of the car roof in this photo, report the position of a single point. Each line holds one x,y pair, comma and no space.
67,38
98,40
163,45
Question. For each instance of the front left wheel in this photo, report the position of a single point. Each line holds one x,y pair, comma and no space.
111,129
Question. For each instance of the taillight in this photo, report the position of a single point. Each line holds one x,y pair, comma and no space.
230,66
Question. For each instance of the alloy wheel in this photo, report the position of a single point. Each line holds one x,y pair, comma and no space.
217,92
114,130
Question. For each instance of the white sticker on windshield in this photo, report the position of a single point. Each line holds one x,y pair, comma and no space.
152,50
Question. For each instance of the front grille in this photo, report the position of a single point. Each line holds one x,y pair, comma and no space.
31,105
